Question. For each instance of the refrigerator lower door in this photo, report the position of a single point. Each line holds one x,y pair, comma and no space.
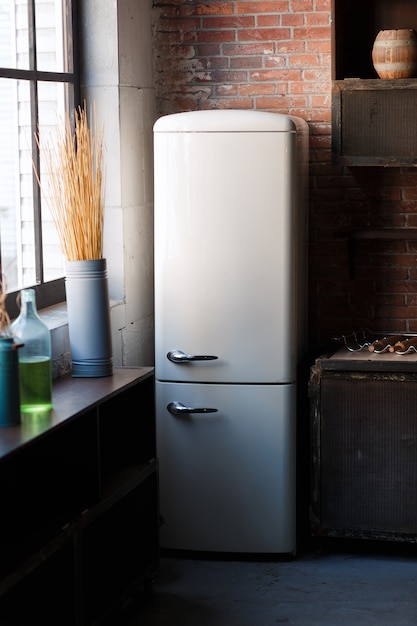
227,478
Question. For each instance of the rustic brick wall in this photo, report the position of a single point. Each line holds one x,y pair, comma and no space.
276,56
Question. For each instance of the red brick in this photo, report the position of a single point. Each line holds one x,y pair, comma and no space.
276,56
268,20
206,8
282,6
317,19
247,62
223,91
235,21
204,36
292,19
264,34
248,49
259,89
275,75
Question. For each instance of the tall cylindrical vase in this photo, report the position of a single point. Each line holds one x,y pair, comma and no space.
88,306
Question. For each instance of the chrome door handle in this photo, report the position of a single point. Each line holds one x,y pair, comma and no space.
176,408
176,356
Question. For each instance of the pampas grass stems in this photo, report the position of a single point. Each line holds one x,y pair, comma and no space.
73,167
4,316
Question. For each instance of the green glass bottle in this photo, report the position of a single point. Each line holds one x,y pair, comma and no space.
35,372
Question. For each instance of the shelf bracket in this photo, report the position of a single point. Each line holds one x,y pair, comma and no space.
380,234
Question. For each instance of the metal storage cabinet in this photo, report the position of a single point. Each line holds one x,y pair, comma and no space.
364,446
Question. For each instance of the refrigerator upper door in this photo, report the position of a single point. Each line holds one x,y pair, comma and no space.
229,230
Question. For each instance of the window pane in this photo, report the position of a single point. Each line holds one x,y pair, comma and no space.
53,32
54,100
36,90
53,36
25,216
17,221
14,41
16,208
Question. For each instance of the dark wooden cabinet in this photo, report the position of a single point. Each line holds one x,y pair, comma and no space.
364,446
373,119
79,515
373,122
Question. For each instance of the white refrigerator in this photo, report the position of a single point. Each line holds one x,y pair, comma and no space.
230,326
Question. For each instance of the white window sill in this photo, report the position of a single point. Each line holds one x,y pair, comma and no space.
56,318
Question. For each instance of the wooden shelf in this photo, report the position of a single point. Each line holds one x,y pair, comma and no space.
79,493
372,119
387,234
366,234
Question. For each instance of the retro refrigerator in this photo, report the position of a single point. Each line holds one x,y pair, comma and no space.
230,326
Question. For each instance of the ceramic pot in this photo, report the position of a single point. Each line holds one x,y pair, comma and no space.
394,54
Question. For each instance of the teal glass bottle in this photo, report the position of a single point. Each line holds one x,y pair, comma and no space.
9,382
35,372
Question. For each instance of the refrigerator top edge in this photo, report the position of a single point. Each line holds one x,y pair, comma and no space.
228,120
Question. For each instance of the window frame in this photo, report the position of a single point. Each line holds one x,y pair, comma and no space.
50,292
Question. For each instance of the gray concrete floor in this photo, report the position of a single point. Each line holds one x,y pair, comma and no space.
322,588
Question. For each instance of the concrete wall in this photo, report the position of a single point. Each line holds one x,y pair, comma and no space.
117,76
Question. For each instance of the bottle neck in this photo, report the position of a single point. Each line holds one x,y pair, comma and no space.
28,307
28,304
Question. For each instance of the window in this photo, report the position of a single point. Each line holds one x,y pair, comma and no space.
38,84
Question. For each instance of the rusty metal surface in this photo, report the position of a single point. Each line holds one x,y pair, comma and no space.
388,363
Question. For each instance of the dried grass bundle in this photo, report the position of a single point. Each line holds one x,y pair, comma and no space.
74,168
4,316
